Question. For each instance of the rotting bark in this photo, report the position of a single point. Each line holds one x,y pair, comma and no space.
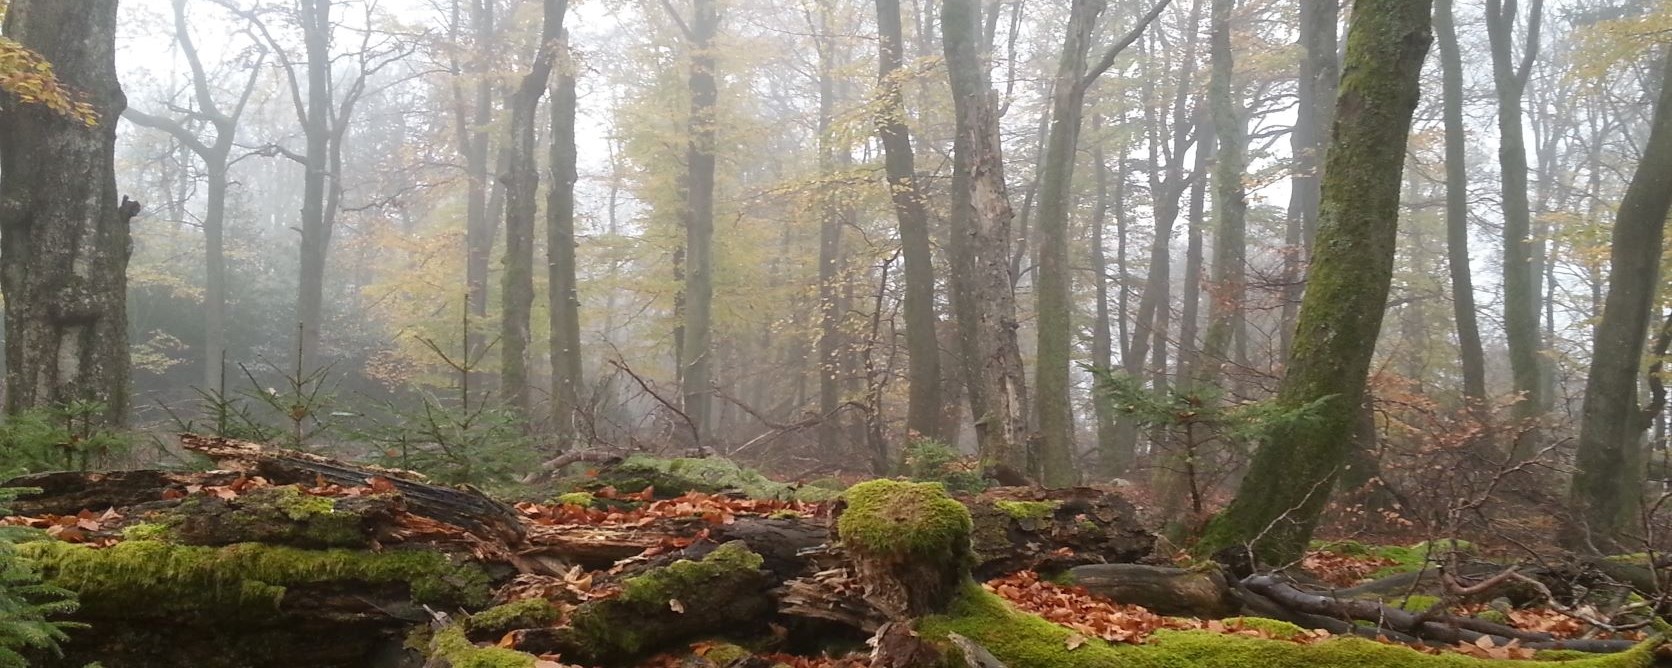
64,237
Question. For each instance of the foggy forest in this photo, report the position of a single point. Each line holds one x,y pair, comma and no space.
835,333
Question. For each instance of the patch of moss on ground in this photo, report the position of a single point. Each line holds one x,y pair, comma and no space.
1276,628
904,520
602,630
708,475
582,499
452,645
528,613
1406,558
1026,640
145,531
238,581
1028,510
1418,602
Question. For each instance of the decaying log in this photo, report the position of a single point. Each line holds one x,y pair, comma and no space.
1020,528
465,507
1201,593
70,492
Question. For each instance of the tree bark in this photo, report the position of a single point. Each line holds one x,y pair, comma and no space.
983,290
1055,333
317,218
1279,501
1230,204
1472,358
522,184
1608,488
924,400
1113,458
1521,275
64,237
696,353
564,292
1319,74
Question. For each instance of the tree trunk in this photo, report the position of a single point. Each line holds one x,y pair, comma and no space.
1190,315
695,355
1230,204
1319,74
481,213
315,17
1113,457
982,284
1472,359
64,238
1521,276
1608,489
564,292
831,367
1290,480
522,184
924,401
1055,328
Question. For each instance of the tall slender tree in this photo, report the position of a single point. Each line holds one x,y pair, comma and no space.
216,155
1608,490
1230,205
696,357
924,403
1315,99
1471,356
522,184
64,236
564,291
1281,498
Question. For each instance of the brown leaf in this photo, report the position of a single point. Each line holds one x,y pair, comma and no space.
381,485
1075,641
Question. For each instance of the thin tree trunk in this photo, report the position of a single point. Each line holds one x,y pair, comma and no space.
522,184
696,356
1521,275
830,368
1319,74
925,400
1608,489
1472,358
64,240
1286,489
1112,459
563,291
1230,205
315,16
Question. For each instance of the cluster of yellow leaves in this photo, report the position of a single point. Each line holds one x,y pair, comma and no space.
28,77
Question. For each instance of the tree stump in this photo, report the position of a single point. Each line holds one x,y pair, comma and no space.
910,545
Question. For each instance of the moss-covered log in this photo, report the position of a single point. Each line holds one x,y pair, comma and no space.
1022,528
724,593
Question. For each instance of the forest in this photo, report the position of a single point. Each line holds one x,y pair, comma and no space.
835,333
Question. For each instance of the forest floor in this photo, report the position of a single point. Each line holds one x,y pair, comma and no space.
632,564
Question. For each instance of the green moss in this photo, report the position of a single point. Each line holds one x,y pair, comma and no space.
528,613
452,645
725,653
1028,510
278,515
238,581
598,627
708,475
1275,628
1027,640
904,520
1494,616
145,531
1406,558
582,499
1418,602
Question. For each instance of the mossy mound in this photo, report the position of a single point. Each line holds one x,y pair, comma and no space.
238,582
711,475
275,515
524,614
1028,510
455,649
1026,640
903,520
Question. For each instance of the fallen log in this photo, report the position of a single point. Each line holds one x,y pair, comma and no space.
1203,593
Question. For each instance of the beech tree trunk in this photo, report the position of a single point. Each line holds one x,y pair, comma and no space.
563,291
1472,358
1056,421
315,18
695,355
1608,489
1230,205
64,237
925,404
522,184
1113,458
1288,485
982,286
1521,267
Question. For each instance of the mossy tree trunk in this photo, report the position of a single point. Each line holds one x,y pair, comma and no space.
64,240
1315,99
1279,502
1608,489
698,264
